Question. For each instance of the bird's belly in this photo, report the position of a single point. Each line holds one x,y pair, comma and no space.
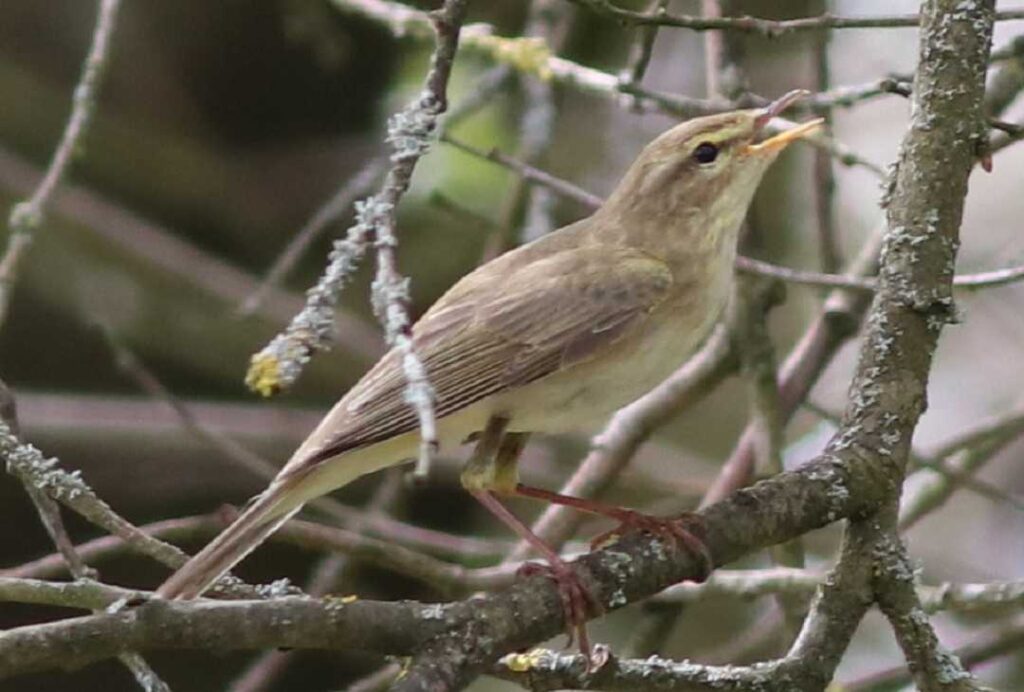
583,396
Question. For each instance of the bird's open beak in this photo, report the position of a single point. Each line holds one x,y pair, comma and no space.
784,138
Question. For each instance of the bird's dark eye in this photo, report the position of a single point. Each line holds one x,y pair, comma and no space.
706,152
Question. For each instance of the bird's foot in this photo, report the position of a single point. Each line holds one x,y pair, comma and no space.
577,601
683,530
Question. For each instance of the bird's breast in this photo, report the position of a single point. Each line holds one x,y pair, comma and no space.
583,396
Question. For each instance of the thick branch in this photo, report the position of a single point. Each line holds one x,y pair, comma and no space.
296,622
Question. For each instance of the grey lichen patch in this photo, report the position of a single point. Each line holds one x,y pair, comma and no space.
277,589
621,567
434,611
891,560
410,131
659,673
836,493
948,668
28,463
279,364
657,550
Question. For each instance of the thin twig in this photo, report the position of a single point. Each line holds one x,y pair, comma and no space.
27,216
323,219
550,21
529,56
28,464
766,27
49,514
24,220
758,366
643,46
410,133
824,176
154,247
975,281
192,529
937,464
931,493
531,173
838,321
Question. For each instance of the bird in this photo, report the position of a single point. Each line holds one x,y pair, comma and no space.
550,337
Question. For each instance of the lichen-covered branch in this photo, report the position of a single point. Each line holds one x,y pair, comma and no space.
294,622
934,669
410,133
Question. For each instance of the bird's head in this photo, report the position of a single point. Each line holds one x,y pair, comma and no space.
703,172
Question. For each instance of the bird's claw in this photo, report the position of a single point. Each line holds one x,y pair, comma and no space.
577,601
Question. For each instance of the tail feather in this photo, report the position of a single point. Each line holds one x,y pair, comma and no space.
260,519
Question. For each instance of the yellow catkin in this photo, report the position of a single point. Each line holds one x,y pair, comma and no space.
264,376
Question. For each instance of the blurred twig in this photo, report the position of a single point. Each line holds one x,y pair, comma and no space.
27,216
161,250
758,366
28,464
956,463
1008,81
549,20
642,47
531,173
824,176
838,321
356,187
377,680
253,463
766,27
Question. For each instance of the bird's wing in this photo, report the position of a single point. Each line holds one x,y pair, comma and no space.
489,335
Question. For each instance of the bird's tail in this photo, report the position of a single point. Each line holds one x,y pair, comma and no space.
262,517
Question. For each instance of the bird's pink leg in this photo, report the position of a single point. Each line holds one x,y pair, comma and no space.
576,599
683,528
492,469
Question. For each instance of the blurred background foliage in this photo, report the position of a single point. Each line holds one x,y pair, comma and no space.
223,126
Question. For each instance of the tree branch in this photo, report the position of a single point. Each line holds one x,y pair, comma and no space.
27,216
766,27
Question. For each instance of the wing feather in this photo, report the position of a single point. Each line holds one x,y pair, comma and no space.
494,335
